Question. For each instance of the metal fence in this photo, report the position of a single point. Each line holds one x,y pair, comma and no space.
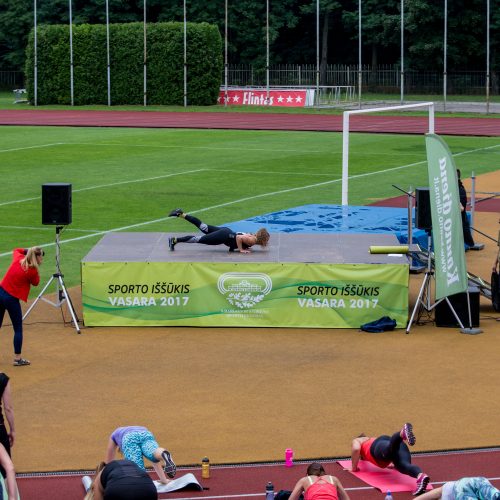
10,80
383,79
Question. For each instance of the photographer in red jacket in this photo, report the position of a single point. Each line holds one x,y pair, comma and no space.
15,286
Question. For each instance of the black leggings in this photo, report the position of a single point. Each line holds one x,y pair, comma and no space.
393,449
213,235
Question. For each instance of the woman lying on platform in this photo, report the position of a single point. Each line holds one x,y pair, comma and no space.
466,488
318,485
215,235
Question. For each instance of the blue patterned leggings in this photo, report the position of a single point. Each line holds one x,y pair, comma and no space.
136,445
473,488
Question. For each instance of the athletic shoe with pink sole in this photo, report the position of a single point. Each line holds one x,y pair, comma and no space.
422,482
407,434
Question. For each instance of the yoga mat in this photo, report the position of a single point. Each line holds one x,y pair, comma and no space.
187,482
383,479
389,249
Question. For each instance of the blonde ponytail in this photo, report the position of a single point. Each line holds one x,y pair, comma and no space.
30,260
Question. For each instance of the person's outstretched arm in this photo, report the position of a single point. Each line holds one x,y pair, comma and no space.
356,452
299,488
9,412
434,494
110,451
240,240
340,489
10,472
161,473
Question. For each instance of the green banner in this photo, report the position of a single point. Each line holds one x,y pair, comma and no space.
447,232
246,295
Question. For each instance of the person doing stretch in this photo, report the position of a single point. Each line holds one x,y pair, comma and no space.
384,450
466,488
318,486
136,442
215,235
121,480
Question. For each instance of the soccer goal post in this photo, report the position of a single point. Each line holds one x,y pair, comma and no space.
345,136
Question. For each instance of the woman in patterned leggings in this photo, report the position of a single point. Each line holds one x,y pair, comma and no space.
466,488
215,235
135,443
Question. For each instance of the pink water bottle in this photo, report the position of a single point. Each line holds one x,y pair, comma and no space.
288,457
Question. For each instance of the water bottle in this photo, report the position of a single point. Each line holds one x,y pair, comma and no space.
388,496
269,491
205,468
288,457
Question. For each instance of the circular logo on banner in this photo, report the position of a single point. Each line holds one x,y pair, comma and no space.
244,290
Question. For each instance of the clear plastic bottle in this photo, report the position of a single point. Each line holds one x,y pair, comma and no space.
269,491
205,468
388,496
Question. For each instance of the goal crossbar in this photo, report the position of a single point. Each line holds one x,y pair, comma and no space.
345,135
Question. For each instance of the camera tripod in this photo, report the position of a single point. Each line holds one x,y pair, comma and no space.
62,292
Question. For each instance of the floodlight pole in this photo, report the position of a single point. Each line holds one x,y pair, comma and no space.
317,53
487,56
35,54
145,84
445,54
107,53
402,52
71,54
185,54
225,53
360,74
61,291
267,52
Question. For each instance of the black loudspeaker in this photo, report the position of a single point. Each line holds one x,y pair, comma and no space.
423,219
444,316
56,204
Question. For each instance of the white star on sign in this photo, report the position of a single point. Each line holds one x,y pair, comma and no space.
289,99
298,99
280,99
236,98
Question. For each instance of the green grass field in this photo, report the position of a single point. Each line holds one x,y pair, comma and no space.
128,179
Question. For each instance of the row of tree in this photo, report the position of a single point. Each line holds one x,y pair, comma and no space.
292,28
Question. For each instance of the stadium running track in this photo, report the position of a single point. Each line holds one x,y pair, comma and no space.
250,121
249,480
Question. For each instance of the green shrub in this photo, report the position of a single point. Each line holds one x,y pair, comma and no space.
165,64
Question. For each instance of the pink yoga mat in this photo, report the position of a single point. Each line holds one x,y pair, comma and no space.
383,479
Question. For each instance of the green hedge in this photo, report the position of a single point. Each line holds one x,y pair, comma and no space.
165,64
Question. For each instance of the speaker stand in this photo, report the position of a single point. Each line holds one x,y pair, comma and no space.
62,292
424,296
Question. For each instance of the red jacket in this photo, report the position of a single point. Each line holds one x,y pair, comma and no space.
17,281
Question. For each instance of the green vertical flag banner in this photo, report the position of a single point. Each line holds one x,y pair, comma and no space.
447,232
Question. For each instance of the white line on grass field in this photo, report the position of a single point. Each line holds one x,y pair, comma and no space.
49,228
32,147
119,183
242,200
220,205
203,148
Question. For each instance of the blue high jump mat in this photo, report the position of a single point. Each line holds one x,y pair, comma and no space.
319,218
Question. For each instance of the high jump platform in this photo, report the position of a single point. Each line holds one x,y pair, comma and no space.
304,280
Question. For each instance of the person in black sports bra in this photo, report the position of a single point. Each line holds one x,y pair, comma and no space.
215,235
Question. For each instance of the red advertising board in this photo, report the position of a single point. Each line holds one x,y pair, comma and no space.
297,98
